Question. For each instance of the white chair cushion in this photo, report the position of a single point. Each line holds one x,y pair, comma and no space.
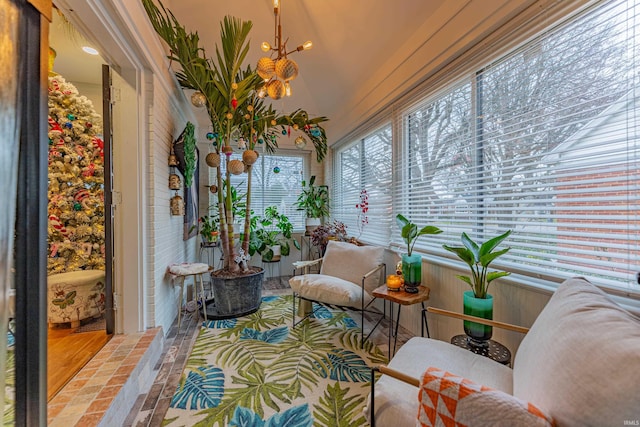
397,402
350,262
187,268
581,358
328,289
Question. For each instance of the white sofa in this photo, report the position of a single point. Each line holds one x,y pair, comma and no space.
579,364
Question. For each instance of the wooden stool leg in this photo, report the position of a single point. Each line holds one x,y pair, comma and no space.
204,299
180,300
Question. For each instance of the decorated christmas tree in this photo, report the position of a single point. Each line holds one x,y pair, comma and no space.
76,181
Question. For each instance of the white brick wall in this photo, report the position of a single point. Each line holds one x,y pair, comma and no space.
166,244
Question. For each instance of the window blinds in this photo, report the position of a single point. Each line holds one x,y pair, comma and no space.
545,142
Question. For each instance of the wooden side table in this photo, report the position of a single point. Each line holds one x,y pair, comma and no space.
403,298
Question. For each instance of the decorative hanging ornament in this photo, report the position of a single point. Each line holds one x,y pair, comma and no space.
88,125
242,144
68,125
213,160
71,117
198,99
213,188
77,206
234,103
177,205
234,86
249,157
289,131
276,170
236,167
229,116
300,142
316,132
249,108
173,160
247,116
210,136
174,181
284,131
228,150
260,141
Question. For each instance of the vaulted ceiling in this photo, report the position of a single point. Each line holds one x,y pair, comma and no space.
365,52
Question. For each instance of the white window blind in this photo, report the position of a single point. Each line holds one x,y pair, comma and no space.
364,167
276,181
545,142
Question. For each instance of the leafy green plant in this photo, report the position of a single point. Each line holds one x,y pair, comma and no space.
478,257
270,230
410,232
314,199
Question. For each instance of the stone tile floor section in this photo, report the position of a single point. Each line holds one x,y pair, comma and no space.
85,399
150,409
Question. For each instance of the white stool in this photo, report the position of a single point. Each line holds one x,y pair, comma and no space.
185,270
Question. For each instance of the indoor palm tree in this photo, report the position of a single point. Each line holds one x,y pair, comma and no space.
230,94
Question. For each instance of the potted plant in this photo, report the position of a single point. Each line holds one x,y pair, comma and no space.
271,235
314,200
335,230
233,96
477,302
208,225
412,263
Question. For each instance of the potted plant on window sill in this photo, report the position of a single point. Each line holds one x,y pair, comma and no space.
412,263
477,302
272,235
314,200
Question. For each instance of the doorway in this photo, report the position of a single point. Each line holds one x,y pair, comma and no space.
79,257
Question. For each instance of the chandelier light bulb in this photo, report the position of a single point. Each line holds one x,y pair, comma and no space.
307,45
276,5
287,89
265,46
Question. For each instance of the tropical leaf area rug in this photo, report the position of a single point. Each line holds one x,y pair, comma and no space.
257,371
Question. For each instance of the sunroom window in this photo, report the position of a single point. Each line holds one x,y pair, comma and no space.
544,141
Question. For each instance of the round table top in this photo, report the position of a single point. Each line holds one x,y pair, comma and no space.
494,350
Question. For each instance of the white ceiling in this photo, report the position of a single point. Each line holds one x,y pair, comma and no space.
365,53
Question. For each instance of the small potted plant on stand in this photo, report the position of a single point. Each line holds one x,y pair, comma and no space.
272,235
477,302
208,225
412,263
314,200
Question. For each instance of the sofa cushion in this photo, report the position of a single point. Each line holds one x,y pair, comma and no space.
448,399
329,289
581,358
396,402
350,262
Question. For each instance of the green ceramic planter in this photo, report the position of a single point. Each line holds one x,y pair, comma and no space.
478,334
412,272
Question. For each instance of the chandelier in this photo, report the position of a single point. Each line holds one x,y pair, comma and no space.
279,71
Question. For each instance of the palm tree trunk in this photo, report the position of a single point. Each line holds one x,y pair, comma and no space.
247,217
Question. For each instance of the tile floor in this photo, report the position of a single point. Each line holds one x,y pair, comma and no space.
102,390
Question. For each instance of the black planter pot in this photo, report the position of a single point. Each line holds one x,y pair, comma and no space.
235,296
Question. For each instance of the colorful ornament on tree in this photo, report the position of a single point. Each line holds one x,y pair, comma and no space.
198,99
234,103
300,142
276,170
210,136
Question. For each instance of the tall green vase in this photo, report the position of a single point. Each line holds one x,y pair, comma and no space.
412,272
478,335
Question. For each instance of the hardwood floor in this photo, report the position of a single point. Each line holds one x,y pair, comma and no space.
68,352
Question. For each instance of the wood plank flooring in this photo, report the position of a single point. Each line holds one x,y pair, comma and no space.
67,353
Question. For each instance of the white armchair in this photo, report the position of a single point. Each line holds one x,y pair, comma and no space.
577,366
348,274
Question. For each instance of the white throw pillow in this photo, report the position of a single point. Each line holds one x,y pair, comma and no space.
350,262
580,362
328,289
